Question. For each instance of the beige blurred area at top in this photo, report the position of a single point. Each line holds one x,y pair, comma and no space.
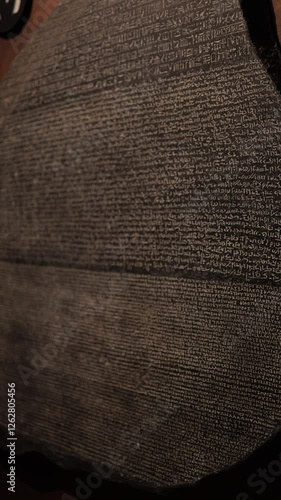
277,8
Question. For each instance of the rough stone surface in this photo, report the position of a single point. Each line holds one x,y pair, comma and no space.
140,237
